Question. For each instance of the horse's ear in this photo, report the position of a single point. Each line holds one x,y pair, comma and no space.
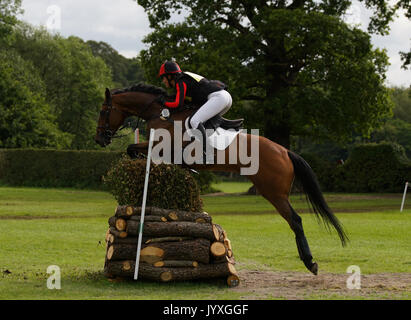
108,96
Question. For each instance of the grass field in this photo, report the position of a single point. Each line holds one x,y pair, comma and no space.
43,227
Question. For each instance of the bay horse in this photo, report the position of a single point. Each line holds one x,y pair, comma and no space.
278,166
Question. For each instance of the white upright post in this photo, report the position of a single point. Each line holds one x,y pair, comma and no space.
403,197
143,207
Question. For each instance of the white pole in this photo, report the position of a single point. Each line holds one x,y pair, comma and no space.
403,197
143,207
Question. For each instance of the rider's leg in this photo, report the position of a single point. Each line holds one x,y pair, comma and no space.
218,103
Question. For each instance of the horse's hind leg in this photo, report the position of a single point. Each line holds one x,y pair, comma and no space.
302,243
294,220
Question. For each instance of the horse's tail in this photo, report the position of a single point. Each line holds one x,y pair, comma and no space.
306,176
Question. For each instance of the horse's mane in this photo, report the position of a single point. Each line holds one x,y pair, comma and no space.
140,87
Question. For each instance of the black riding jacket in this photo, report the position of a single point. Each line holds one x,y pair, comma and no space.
194,88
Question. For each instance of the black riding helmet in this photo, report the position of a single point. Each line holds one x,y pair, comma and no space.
169,67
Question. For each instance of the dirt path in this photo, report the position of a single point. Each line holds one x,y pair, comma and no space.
299,285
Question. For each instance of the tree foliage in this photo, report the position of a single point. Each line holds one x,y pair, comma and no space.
74,79
26,118
8,12
52,87
397,130
126,72
296,66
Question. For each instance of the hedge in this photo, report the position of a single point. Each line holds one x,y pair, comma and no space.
66,168
55,168
369,168
374,168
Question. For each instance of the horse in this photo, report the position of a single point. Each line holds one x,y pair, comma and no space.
278,166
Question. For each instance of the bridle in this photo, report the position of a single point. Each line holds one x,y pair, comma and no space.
109,133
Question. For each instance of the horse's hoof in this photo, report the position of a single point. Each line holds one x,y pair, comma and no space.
314,268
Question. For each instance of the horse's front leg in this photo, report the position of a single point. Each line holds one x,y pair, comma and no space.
134,150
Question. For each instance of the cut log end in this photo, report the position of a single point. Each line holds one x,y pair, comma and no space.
110,252
126,265
110,238
218,249
158,264
233,280
166,276
121,224
129,211
173,216
116,233
151,254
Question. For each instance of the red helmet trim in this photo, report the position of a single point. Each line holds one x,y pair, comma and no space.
163,71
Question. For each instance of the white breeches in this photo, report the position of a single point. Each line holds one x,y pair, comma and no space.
219,102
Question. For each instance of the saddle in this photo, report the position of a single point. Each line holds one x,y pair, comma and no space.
220,122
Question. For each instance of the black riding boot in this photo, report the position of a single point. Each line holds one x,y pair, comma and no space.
205,160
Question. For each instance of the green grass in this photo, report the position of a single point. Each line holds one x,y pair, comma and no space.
42,227
232,187
37,202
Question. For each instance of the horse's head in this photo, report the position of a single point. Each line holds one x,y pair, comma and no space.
140,100
111,118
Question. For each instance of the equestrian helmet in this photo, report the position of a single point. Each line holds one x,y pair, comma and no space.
169,67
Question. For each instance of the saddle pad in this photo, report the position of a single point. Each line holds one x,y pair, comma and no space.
220,139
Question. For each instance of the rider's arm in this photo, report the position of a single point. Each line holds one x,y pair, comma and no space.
181,88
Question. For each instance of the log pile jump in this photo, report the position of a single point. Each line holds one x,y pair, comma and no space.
176,245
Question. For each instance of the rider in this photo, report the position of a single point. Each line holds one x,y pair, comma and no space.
210,95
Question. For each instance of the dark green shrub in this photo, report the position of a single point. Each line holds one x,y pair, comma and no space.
374,168
169,186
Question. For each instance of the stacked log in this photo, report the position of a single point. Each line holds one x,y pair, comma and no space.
176,245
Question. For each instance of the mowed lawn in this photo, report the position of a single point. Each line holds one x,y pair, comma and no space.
43,227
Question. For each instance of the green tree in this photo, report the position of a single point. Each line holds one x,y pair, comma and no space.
125,71
8,12
402,101
296,66
74,79
397,129
26,119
